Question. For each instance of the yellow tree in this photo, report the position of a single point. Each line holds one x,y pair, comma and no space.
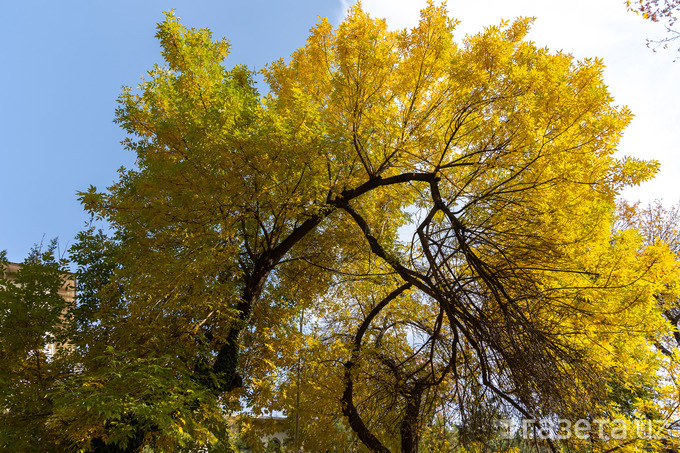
493,155
658,227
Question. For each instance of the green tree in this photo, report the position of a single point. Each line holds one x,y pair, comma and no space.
33,314
125,398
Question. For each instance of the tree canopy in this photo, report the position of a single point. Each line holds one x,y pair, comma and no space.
33,314
442,210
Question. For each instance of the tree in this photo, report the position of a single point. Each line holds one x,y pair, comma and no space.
658,227
33,314
664,11
86,394
496,155
124,398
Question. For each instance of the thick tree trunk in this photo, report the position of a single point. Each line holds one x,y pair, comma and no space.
410,424
224,369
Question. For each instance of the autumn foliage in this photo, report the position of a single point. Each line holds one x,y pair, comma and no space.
440,210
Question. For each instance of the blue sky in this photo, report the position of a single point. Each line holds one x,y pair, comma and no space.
63,64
